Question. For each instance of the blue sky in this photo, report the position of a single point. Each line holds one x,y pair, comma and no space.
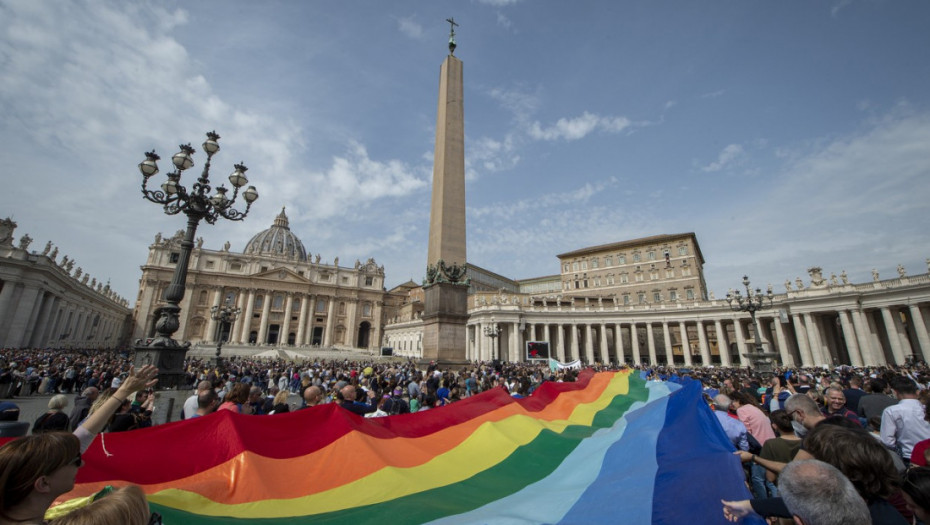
785,134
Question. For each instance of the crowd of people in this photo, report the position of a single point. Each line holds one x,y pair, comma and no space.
819,445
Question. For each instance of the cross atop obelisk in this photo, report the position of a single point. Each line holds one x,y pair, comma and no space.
452,26
445,309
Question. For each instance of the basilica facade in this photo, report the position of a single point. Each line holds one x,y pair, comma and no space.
285,296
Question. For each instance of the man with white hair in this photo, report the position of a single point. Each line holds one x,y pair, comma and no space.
817,493
733,427
82,404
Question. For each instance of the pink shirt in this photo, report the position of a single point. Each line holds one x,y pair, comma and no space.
757,423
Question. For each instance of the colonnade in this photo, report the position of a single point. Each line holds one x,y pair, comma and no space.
854,334
32,315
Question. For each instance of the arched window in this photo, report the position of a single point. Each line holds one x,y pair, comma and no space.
202,298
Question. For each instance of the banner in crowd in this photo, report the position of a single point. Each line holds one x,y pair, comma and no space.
558,365
607,448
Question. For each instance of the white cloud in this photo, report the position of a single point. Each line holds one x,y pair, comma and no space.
578,127
730,154
499,3
503,21
410,27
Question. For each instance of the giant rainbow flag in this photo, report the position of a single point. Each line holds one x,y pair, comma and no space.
609,448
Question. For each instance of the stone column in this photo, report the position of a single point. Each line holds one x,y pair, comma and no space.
634,342
870,356
651,344
23,311
247,319
605,356
211,334
816,341
330,322
618,341
588,344
50,323
547,336
702,340
6,297
784,352
515,352
266,315
903,339
352,328
667,339
892,331
41,324
531,331
286,325
560,343
740,342
800,331
849,335
685,344
574,348
923,338
311,318
302,321
723,348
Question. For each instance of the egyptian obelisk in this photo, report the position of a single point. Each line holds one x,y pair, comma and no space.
445,311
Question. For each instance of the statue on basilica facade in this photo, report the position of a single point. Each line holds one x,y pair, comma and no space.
844,277
833,279
787,285
24,242
48,248
875,275
54,254
799,283
901,271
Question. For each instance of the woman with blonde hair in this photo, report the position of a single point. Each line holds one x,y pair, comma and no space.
125,506
279,403
55,420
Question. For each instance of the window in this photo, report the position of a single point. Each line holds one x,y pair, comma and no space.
651,254
342,308
673,295
575,267
321,305
594,262
565,268
584,265
259,300
235,267
230,297
642,297
345,280
202,299
689,293
585,283
295,306
621,259
210,265
682,250
366,310
686,271
624,278
653,275
597,281
369,280
608,261
264,268
657,297
577,284
636,257
278,302
669,273
610,279
639,277
173,258
626,299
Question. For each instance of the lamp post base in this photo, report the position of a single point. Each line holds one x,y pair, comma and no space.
166,354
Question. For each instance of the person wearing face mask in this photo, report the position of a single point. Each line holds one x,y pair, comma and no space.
805,415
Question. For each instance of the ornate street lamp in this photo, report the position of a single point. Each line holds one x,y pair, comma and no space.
493,330
752,303
163,351
224,315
